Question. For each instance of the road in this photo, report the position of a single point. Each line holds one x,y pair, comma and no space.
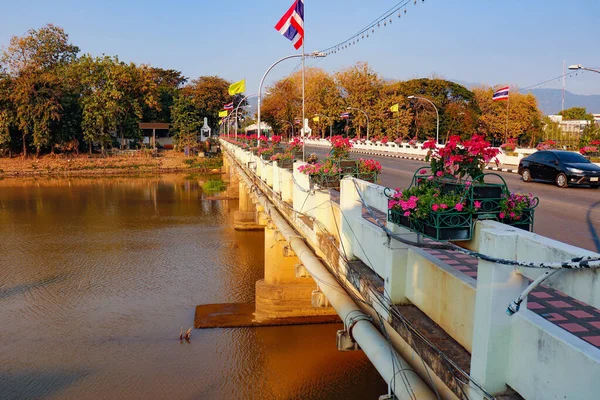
570,215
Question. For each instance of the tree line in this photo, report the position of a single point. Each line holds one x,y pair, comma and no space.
54,99
461,111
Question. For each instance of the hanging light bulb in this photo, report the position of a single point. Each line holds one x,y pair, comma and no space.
390,20
363,36
385,23
415,2
378,25
372,30
404,10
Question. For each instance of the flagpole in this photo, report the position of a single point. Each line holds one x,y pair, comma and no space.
507,111
303,104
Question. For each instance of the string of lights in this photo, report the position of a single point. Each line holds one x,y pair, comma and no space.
383,20
553,80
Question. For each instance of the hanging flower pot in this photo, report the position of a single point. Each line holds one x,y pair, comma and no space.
517,209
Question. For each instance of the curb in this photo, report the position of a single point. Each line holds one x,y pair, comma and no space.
509,170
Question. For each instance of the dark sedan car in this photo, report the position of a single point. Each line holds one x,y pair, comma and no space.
564,168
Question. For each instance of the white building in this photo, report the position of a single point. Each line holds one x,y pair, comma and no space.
575,126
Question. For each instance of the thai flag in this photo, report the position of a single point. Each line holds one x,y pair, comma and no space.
345,115
228,106
501,94
291,25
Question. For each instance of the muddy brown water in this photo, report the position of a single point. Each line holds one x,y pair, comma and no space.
97,276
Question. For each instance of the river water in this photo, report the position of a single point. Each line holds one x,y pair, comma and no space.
97,276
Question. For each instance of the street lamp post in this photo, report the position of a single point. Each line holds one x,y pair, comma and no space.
236,110
437,134
292,125
330,123
358,109
315,54
578,66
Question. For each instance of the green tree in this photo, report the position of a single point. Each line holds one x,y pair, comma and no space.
576,113
209,94
187,120
33,62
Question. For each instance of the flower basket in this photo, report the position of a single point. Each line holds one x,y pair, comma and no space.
449,225
326,181
518,210
297,155
525,223
287,164
348,167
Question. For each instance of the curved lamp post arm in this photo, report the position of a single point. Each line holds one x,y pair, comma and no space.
366,116
236,110
437,134
315,54
292,125
261,85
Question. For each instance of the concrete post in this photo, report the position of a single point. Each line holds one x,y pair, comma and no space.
351,210
497,286
396,265
287,185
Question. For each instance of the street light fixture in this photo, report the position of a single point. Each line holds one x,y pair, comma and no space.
313,54
437,134
358,109
578,66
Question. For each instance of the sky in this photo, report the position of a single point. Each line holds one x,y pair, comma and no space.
492,42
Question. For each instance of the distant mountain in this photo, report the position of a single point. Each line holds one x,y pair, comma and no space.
550,100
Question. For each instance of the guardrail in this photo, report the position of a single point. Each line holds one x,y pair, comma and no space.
532,355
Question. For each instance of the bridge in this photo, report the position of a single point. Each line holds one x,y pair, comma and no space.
432,320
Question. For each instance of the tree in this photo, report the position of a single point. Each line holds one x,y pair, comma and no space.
33,62
524,118
168,82
576,113
187,120
360,88
39,49
209,94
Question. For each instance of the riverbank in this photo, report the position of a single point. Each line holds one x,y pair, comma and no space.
168,161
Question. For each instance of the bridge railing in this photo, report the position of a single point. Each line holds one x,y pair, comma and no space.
525,351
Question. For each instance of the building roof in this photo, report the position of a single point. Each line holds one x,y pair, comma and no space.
154,125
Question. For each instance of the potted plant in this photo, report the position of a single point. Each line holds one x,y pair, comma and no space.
427,210
324,175
509,147
295,147
517,209
284,160
547,145
265,153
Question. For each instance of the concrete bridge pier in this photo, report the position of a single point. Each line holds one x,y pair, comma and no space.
281,294
246,218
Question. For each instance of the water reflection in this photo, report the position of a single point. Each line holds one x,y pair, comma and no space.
98,275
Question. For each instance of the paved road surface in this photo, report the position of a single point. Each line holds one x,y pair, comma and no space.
569,215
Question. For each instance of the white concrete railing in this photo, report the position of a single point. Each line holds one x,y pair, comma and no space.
417,149
530,354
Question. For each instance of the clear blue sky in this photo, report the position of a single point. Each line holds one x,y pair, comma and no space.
484,41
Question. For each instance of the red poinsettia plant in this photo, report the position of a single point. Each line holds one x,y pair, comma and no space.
340,147
547,145
588,150
276,139
461,158
511,145
295,144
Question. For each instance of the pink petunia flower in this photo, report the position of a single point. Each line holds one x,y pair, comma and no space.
435,207
439,173
502,215
458,206
422,172
443,206
478,205
407,214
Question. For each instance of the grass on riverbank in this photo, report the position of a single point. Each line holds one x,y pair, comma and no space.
168,161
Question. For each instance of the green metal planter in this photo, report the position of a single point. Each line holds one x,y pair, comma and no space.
439,226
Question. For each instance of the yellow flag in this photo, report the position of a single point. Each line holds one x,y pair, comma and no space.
223,113
238,87
316,119
394,108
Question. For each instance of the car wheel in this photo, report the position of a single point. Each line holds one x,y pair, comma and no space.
561,180
526,175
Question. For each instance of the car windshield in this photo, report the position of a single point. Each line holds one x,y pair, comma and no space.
572,158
